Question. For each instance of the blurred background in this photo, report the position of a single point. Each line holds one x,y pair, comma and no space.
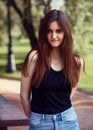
19,23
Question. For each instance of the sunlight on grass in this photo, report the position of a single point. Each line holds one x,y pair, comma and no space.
87,79
20,51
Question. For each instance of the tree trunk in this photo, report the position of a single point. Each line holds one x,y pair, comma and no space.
25,17
11,67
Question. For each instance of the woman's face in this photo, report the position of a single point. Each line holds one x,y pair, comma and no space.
55,34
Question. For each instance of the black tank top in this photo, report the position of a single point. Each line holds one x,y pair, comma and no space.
53,94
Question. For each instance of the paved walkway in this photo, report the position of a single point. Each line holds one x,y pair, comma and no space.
82,102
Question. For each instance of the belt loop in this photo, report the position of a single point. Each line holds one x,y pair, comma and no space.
43,118
61,115
54,117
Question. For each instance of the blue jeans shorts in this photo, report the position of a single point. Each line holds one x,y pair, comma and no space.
66,120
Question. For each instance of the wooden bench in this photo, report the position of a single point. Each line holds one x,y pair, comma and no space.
10,115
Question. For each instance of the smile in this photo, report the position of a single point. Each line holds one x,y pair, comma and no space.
54,40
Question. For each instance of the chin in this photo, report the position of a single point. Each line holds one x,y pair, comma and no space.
55,45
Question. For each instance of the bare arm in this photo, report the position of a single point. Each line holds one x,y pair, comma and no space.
25,91
80,76
25,94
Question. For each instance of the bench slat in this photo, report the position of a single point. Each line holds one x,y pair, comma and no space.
10,115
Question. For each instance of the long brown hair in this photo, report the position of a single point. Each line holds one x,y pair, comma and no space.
71,66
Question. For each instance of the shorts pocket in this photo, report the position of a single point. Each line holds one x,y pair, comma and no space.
35,121
70,117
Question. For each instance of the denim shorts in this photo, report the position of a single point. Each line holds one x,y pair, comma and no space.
66,120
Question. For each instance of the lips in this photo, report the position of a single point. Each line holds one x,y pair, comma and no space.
54,40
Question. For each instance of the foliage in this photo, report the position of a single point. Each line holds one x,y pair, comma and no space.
3,29
38,10
80,14
23,21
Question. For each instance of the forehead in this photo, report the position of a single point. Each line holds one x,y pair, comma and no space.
53,25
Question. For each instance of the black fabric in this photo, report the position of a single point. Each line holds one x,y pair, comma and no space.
53,94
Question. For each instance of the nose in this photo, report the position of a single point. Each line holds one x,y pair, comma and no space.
53,35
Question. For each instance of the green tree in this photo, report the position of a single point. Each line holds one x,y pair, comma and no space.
26,20
23,10
81,16
27,11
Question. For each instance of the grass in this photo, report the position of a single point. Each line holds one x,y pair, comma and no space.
21,49
86,83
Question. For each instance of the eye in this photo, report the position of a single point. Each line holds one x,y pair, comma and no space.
59,30
49,31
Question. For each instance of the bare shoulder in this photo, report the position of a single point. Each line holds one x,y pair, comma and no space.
33,55
32,60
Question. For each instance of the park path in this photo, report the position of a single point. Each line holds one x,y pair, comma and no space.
82,102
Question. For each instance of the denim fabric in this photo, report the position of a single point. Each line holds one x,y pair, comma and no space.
66,120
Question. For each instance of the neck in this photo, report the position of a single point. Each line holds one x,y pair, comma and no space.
55,53
56,60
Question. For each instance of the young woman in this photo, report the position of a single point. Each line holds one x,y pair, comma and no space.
50,76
